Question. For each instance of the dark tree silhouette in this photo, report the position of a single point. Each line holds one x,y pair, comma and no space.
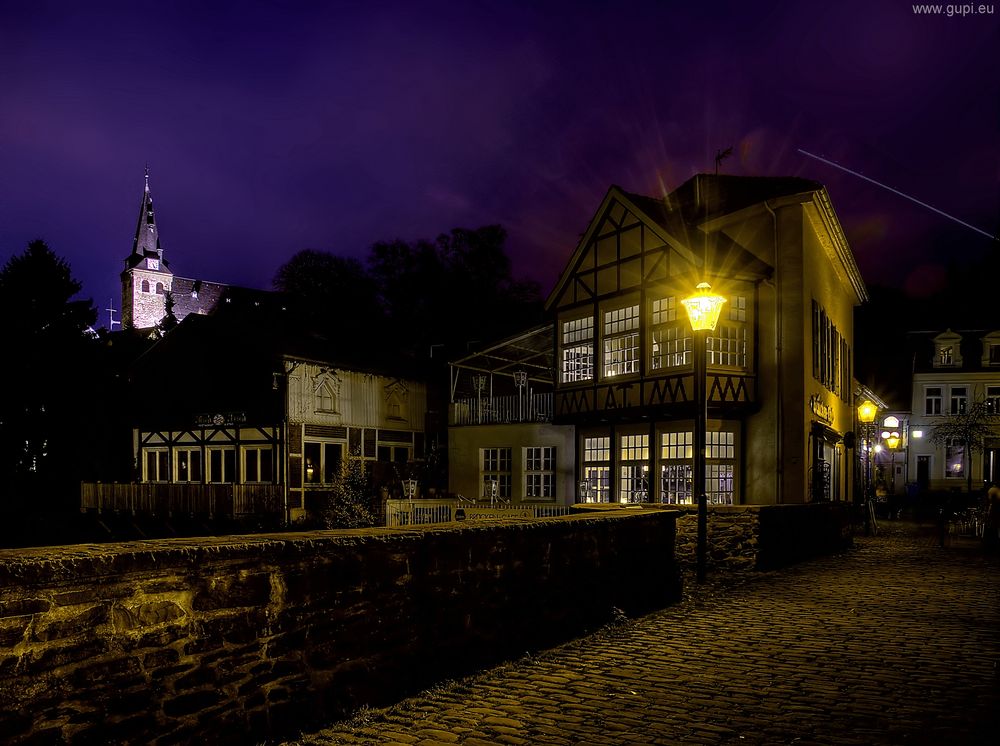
450,291
45,376
169,320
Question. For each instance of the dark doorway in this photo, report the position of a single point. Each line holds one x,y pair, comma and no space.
923,472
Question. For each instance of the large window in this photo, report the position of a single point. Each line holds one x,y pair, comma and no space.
495,472
932,400
676,459
539,472
670,340
322,461
221,465
578,350
597,469
633,485
728,346
157,465
959,399
258,464
187,465
831,354
621,341
676,455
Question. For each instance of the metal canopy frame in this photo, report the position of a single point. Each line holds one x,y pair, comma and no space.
532,351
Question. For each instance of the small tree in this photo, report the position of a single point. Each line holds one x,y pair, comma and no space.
971,428
169,320
349,502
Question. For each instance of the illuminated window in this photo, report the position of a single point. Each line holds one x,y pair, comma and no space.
945,356
539,472
596,469
156,466
664,310
321,461
676,459
188,465
932,400
633,484
221,465
495,472
959,399
621,341
578,350
954,460
258,464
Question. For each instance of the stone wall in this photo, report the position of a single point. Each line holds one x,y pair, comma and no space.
757,537
233,639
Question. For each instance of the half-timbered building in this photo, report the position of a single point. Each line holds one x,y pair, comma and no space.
779,361
244,412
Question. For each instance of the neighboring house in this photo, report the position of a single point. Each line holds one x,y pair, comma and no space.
951,371
240,412
147,278
779,363
502,445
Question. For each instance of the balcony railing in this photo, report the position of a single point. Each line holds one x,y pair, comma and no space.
496,410
164,499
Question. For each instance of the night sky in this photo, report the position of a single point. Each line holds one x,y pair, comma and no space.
270,128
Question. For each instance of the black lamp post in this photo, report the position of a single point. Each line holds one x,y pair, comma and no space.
866,415
703,310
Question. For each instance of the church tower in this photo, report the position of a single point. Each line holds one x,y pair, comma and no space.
147,278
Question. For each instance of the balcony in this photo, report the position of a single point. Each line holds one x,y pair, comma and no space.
501,410
232,500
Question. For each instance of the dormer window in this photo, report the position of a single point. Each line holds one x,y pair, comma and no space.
991,350
947,350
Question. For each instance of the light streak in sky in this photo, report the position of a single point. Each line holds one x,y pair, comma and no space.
901,194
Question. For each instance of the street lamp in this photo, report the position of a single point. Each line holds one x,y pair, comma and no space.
703,309
866,415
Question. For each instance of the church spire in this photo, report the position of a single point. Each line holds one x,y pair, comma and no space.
147,240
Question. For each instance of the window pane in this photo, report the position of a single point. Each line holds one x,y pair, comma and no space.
313,467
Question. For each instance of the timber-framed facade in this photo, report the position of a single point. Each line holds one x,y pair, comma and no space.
778,363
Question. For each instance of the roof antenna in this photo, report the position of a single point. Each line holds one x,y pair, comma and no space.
720,156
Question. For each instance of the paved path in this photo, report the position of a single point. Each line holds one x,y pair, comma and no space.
894,642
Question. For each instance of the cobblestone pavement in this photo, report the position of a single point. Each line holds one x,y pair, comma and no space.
896,641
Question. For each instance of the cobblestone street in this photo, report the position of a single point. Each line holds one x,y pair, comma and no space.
896,641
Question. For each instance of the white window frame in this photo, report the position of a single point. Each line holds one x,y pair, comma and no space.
539,472
577,349
184,458
160,467
495,465
992,399
597,468
933,403
228,475
633,468
327,461
620,341
258,475
676,459
958,400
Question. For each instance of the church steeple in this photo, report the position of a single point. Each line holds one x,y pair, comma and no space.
147,239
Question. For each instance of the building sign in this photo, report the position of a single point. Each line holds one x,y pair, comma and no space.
220,419
821,409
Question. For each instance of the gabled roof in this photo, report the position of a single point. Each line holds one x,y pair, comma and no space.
676,230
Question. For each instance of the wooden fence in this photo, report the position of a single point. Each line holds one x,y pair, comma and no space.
165,499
